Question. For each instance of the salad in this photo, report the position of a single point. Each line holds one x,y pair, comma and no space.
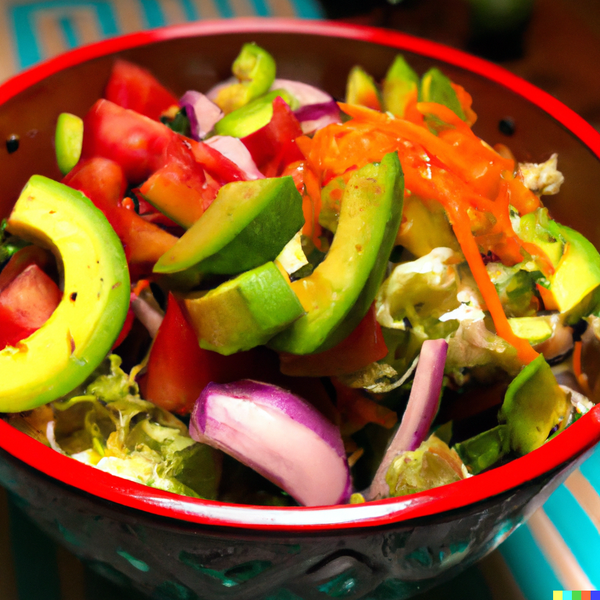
259,294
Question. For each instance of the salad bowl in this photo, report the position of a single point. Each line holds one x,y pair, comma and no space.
171,546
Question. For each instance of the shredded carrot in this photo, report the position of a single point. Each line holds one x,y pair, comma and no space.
462,229
141,285
475,184
466,102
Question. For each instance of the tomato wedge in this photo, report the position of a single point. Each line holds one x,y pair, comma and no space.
134,141
273,146
134,87
362,347
103,181
26,303
23,258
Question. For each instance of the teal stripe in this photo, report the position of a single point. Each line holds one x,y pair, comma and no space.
261,8
153,13
528,565
189,9
591,469
577,529
308,9
69,32
22,18
224,9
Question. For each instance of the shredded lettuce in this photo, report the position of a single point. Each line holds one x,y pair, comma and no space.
108,425
431,465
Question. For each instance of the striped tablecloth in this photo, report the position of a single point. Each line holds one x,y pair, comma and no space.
558,549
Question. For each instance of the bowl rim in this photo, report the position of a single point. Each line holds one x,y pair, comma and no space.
555,455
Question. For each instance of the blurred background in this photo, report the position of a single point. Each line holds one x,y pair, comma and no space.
554,44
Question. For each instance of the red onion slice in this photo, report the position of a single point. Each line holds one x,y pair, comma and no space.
303,92
419,414
201,112
279,435
235,150
316,116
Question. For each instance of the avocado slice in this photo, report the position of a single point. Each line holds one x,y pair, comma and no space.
436,87
399,83
340,290
243,312
534,329
247,225
68,140
255,71
533,405
252,116
578,271
362,90
77,337
575,260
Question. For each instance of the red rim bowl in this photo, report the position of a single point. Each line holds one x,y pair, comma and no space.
555,456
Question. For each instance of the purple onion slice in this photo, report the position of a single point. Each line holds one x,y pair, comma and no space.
235,150
201,112
303,92
279,435
419,414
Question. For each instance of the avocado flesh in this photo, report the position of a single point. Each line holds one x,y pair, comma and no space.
436,87
533,405
244,312
575,260
399,84
534,329
80,333
577,273
340,290
68,140
361,89
247,225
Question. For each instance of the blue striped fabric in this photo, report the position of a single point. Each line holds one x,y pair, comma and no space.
34,30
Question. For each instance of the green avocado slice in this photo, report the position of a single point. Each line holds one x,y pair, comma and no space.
247,225
361,89
68,140
436,87
340,290
577,273
399,83
243,312
533,405
73,342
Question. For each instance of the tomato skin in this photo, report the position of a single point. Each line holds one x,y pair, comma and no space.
23,258
177,367
134,87
103,181
11,333
362,347
126,329
135,142
273,146
26,303
221,168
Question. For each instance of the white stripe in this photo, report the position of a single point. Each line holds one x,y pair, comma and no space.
557,553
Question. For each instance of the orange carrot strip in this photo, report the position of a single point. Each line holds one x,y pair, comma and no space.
475,162
462,229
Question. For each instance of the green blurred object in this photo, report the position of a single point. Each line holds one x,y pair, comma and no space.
497,27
